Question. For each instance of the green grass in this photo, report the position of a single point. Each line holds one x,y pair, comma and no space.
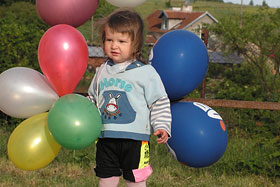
75,168
149,6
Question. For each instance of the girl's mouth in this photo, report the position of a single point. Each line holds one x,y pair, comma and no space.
114,53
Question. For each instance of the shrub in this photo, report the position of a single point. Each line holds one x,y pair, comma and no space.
21,31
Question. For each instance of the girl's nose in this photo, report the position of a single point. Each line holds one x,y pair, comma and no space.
114,45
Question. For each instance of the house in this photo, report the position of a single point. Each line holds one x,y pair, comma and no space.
162,21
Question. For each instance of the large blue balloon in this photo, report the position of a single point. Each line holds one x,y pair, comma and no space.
199,136
181,59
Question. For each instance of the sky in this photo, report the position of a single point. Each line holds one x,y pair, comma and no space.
271,3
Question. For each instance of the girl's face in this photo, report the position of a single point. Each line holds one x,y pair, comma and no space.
117,46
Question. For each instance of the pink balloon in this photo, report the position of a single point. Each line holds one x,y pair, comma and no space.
63,57
71,12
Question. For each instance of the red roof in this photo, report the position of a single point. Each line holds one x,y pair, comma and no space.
171,14
154,19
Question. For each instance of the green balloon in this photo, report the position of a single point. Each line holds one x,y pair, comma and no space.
74,121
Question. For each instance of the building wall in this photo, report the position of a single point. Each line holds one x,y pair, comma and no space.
199,23
173,22
164,23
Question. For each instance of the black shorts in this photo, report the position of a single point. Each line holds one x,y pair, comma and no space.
116,157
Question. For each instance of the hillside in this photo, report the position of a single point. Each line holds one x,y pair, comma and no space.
217,9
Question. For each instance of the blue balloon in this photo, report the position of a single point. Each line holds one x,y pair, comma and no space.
199,136
181,59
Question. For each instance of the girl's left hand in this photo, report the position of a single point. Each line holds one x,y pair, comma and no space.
162,136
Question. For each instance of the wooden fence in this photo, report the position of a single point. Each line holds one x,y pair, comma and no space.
229,103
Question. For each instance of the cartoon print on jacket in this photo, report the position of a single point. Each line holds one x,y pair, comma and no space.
116,108
112,108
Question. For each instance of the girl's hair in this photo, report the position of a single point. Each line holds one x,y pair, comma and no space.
126,21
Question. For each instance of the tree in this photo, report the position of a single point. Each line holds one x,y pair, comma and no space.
251,3
264,4
258,41
168,4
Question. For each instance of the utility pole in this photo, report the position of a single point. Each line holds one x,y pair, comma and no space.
241,13
91,29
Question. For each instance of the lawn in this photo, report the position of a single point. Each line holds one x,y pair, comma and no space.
247,161
75,167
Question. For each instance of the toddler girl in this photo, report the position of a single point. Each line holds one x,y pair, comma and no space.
132,102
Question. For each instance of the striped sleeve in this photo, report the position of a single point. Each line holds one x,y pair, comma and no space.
161,115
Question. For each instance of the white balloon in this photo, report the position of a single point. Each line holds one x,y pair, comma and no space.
126,3
25,92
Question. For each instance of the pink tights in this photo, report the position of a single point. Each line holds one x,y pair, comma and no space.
114,181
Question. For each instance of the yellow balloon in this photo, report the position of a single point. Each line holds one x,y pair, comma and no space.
31,145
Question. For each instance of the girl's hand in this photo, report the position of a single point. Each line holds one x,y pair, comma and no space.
162,136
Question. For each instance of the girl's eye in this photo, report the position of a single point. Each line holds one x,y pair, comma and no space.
122,41
108,40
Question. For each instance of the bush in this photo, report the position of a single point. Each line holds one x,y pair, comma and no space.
260,127
21,31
